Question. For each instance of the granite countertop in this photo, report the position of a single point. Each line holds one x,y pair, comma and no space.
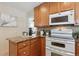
22,38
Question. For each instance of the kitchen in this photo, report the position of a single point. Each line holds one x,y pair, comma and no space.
52,30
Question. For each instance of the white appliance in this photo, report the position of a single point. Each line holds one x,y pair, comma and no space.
60,43
66,17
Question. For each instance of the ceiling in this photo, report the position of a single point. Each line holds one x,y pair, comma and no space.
23,6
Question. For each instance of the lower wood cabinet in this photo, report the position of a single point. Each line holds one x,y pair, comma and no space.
77,49
43,44
24,51
30,47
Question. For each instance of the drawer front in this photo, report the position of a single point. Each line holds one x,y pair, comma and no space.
24,52
34,41
23,44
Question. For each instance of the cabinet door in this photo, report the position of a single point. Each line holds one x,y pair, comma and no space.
44,14
54,7
64,6
36,16
12,49
35,47
77,12
33,50
43,45
77,49
38,47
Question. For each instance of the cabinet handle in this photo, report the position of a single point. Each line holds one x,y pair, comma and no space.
24,52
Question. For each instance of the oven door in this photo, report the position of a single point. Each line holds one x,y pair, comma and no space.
58,43
57,52
66,45
50,52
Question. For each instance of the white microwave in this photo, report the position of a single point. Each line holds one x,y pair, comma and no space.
62,18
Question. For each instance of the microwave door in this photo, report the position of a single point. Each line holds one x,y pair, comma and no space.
59,20
66,17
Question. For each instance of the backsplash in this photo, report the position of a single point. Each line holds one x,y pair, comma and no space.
74,28
57,27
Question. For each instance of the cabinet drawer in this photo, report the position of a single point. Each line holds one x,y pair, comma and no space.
34,41
24,51
23,44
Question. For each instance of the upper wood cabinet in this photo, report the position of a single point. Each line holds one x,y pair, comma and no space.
36,16
41,13
77,12
54,7
64,6
44,14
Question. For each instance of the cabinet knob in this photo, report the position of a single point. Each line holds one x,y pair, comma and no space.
24,52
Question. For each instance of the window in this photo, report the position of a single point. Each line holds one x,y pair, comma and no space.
31,22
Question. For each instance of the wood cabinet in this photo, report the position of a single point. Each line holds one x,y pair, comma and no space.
77,12
57,7
43,46
65,6
41,14
36,16
54,7
12,49
35,47
44,14
19,49
24,51
30,47
77,49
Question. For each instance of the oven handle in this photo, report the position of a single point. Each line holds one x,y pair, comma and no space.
70,42
58,41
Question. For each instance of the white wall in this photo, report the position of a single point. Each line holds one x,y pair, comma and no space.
6,32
